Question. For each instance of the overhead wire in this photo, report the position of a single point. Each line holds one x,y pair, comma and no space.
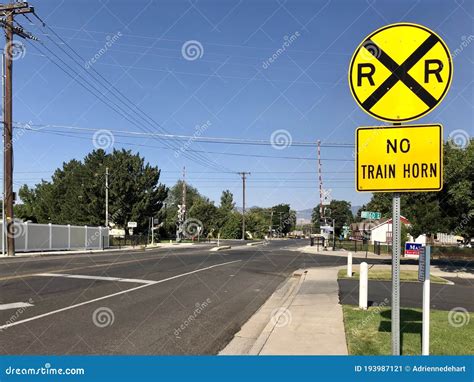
45,131
134,119
194,138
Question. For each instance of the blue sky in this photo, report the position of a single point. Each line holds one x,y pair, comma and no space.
304,91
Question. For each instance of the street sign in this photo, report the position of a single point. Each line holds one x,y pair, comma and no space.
132,224
424,264
399,158
412,249
400,72
370,215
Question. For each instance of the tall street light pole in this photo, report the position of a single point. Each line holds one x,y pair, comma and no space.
243,174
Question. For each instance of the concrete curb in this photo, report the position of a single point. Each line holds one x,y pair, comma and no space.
220,248
62,253
302,317
256,243
251,330
268,330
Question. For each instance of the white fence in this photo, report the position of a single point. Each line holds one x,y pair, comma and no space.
50,237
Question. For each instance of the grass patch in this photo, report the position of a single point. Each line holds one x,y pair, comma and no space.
386,275
368,332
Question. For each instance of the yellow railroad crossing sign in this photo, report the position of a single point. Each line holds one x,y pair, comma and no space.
399,158
400,72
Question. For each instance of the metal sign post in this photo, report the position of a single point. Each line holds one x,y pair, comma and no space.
400,73
396,243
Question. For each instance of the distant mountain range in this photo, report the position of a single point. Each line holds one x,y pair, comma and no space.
304,216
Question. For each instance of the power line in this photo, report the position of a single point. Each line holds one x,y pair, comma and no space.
201,151
134,119
221,140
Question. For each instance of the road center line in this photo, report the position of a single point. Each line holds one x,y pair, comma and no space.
15,305
101,278
113,295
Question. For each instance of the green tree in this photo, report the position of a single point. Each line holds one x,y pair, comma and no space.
205,212
450,210
232,227
76,192
227,201
284,220
257,221
339,210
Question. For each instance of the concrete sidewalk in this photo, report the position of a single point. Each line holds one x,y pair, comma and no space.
303,317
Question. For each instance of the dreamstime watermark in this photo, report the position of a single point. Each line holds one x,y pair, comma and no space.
370,52
281,317
112,218
15,316
103,139
110,40
466,41
192,50
44,370
198,131
287,42
18,132
15,50
281,139
465,220
458,317
192,227
16,229
459,139
103,317
370,317
288,221
199,308
91,239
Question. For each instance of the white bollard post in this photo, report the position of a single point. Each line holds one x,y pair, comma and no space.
50,236
363,285
349,264
425,345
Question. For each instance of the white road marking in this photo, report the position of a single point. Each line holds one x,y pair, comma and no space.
15,305
101,278
113,295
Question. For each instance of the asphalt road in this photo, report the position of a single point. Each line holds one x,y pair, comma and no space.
180,301
443,296
184,301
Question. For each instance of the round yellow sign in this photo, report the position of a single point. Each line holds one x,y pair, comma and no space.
400,72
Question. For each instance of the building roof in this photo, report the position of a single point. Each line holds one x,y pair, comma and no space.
403,219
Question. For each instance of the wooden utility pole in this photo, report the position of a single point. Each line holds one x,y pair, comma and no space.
244,177
8,12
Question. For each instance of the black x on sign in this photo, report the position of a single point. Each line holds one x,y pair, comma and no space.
400,72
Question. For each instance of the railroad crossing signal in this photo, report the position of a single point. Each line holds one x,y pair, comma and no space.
400,72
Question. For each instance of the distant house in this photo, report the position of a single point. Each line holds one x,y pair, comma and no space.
361,229
377,230
439,239
383,231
